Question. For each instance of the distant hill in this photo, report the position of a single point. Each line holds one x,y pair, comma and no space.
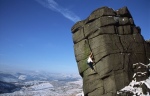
29,83
8,87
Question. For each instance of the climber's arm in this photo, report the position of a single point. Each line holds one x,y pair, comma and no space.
92,57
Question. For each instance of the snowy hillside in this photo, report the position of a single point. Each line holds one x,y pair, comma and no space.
39,84
60,84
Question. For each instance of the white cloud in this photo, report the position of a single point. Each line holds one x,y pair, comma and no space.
52,5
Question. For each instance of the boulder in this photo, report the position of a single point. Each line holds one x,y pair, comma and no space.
123,12
103,11
120,52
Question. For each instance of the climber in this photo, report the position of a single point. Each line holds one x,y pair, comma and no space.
90,61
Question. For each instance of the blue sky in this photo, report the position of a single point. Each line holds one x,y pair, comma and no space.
36,34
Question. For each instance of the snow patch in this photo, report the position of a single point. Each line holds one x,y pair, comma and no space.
42,86
79,82
22,77
135,87
80,94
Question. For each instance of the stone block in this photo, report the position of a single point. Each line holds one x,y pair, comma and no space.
111,63
109,94
107,48
126,61
77,26
148,55
91,77
98,91
138,57
103,39
78,36
127,41
115,63
143,70
147,48
120,47
127,29
145,89
123,12
104,50
110,85
141,77
103,11
132,43
91,86
138,38
103,30
82,66
124,30
121,79
138,48
97,23
103,67
99,41
89,71
131,21
103,45
135,30
105,21
91,83
82,50
124,21
142,58
91,27
120,30
122,63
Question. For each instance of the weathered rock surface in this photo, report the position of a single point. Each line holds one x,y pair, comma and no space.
118,47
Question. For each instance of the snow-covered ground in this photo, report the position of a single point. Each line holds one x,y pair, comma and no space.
80,94
34,84
132,88
45,88
22,77
42,86
135,87
55,84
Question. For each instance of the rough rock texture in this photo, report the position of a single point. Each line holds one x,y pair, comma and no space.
117,45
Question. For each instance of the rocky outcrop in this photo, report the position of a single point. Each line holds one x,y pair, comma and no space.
118,47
